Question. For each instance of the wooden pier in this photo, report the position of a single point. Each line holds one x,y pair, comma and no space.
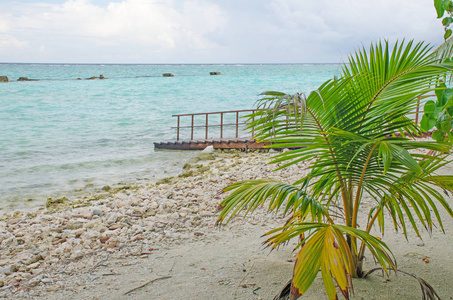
233,143
216,123
213,123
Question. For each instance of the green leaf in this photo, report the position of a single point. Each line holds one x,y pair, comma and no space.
439,5
446,124
431,110
446,95
429,107
450,111
440,89
450,137
427,123
447,34
447,21
404,157
437,135
386,155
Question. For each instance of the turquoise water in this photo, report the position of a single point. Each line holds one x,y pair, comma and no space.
59,134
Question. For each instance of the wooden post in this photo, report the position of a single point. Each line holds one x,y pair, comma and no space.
206,127
177,131
417,111
221,125
253,128
191,134
237,124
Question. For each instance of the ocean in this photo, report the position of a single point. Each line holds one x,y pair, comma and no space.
59,134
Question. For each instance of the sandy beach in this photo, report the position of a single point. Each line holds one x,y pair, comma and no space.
159,241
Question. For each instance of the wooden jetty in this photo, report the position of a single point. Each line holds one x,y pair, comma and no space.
216,122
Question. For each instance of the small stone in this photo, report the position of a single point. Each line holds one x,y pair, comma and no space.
97,212
111,245
150,212
208,149
53,288
72,225
33,266
86,213
6,270
46,280
33,259
112,218
421,244
115,226
33,282
198,233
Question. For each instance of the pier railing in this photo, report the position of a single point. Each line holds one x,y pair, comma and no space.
225,121
232,118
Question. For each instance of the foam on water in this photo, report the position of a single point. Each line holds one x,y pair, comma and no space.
61,134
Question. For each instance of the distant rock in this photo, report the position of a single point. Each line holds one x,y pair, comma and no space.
168,75
26,79
94,77
215,73
4,79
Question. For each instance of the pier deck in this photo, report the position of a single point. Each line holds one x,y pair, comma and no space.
232,143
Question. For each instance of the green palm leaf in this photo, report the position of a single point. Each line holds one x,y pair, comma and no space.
248,195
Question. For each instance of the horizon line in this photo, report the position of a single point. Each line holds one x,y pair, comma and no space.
156,64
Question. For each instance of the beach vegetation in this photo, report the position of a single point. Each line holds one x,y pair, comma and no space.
367,168
55,203
186,174
445,7
166,180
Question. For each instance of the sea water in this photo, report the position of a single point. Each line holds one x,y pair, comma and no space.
60,134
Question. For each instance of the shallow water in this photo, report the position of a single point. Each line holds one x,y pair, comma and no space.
59,134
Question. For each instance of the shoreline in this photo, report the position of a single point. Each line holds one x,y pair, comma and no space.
159,241
27,201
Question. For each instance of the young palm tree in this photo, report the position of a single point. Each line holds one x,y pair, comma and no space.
356,133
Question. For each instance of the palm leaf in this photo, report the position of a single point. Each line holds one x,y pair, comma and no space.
326,249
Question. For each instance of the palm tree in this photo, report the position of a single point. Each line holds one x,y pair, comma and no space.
357,135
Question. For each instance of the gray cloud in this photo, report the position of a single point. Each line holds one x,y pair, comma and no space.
206,31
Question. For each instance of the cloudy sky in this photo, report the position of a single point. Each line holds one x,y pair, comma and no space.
206,31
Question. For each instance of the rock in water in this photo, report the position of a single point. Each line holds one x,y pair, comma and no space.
26,79
4,79
168,75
